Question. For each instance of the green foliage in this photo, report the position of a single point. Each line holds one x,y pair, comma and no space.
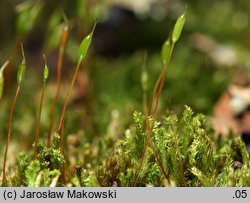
31,173
190,152
88,179
27,16
187,149
51,157
45,171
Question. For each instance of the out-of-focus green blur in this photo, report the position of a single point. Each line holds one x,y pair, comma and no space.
213,49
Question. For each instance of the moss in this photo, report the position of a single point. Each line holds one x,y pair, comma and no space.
139,150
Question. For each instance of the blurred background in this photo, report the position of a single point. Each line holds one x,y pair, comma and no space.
212,53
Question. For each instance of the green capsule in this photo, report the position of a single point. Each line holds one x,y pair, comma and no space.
179,26
166,52
2,78
144,80
27,15
144,74
45,70
21,69
84,46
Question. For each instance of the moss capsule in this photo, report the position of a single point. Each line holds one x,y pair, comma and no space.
144,80
84,46
179,26
166,52
21,69
45,70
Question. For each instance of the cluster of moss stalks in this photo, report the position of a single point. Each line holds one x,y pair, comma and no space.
175,151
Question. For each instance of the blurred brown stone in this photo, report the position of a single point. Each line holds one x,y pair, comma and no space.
232,112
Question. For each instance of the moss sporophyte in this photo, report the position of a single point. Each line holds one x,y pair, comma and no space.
166,53
84,46
62,46
45,77
20,77
173,150
82,51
